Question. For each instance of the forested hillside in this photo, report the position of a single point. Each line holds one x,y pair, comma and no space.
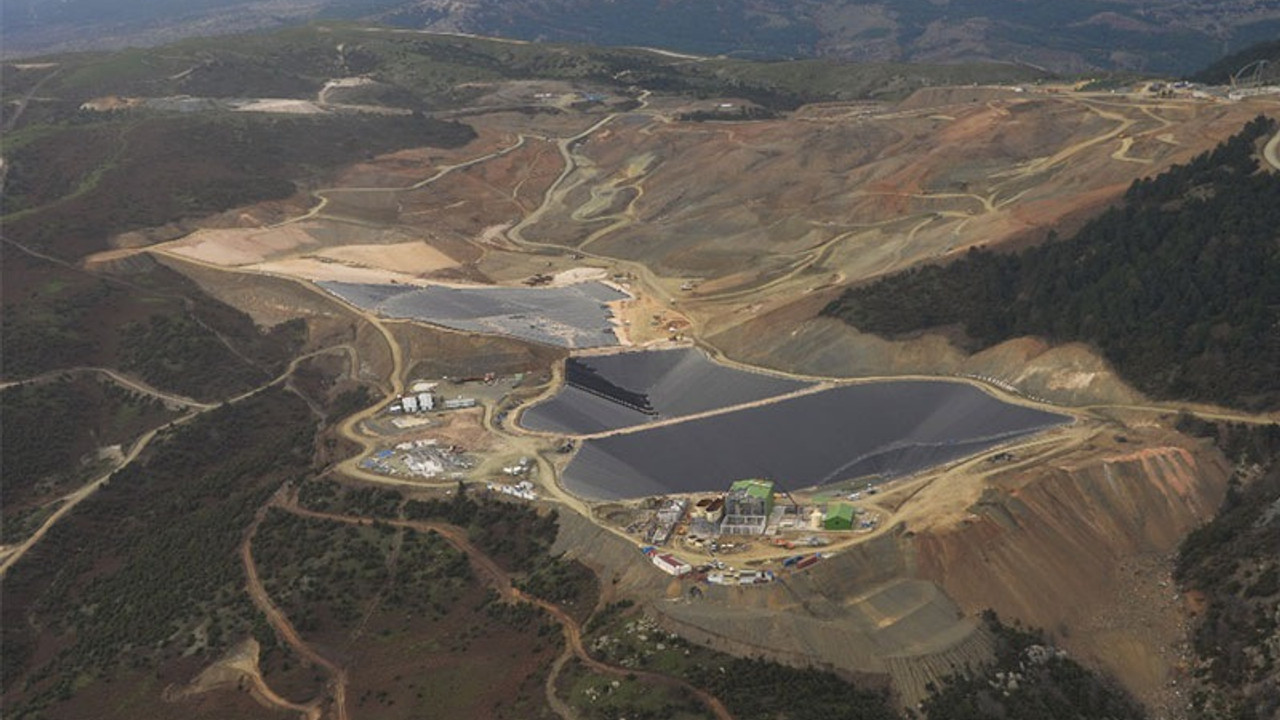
1230,569
1179,286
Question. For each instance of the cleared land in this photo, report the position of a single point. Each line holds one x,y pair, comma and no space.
576,316
675,382
884,429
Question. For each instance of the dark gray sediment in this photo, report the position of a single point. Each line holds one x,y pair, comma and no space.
574,316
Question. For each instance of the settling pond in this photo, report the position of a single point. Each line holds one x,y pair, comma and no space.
884,429
574,316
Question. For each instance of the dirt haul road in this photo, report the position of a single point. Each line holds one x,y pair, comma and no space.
13,554
241,663
502,580
285,629
120,379
1272,151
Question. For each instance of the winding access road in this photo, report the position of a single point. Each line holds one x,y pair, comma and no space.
1272,151
12,554
506,588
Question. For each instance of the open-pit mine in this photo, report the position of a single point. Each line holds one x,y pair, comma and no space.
603,305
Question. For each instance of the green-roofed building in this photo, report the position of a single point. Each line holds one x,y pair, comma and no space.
747,507
839,517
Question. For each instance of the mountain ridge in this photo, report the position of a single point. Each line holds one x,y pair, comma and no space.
1164,36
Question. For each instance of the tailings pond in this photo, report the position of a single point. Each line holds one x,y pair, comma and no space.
574,316
885,430
609,392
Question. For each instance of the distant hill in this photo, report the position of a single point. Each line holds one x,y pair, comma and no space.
1159,36
1261,60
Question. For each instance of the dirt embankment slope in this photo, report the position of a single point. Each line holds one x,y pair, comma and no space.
858,613
1082,547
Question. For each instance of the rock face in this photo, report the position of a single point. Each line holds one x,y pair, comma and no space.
1050,544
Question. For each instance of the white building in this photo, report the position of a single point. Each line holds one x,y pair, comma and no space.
410,403
426,401
672,565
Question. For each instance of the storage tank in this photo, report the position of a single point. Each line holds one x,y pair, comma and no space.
815,519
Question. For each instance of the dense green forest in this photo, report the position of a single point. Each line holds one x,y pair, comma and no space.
1233,563
1179,286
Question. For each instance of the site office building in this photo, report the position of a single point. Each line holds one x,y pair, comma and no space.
747,507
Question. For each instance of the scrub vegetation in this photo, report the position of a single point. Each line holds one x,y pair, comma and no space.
146,569
1232,570
52,431
1030,679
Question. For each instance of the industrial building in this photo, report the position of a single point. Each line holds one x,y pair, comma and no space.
839,517
710,509
747,507
665,521
421,402
672,565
